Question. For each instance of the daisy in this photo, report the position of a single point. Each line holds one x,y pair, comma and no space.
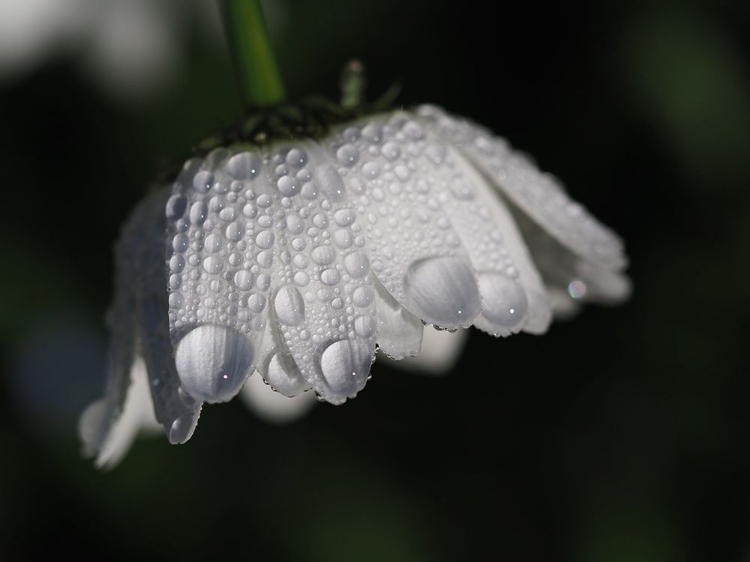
306,240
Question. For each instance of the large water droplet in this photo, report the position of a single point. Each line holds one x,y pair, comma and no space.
176,206
345,366
504,301
323,255
284,377
198,212
212,362
347,155
244,166
356,264
289,306
442,291
331,183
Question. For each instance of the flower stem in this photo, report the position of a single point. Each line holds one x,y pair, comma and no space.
259,78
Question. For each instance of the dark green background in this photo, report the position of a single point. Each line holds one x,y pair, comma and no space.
622,436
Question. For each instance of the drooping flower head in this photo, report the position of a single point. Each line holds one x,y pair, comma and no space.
300,259
307,238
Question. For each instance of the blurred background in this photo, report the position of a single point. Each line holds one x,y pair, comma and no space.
621,436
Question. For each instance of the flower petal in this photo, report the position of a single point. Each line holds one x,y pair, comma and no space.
512,292
145,235
539,195
570,277
109,439
399,331
415,253
220,221
323,298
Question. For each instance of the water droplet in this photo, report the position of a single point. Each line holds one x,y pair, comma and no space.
175,300
243,279
362,296
365,326
176,263
264,282
264,239
372,132
244,166
202,181
330,182
301,279
282,374
212,362
442,291
296,158
182,428
356,264
347,155
345,217
212,264
289,306
213,243
180,243
294,223
342,239
577,289
371,170
323,255
256,303
176,206
504,301
390,151
198,212
228,214
345,365
288,186
329,277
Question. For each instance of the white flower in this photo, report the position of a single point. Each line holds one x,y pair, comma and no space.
301,258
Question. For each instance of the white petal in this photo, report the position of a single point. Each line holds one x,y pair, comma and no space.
399,331
539,195
513,296
323,298
276,365
109,441
571,277
145,235
220,220
272,406
415,253
440,352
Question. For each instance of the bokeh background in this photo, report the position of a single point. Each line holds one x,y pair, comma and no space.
621,436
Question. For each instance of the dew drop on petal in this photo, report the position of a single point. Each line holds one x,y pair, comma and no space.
243,280
504,302
212,362
330,182
442,291
289,306
282,375
244,166
356,264
323,255
176,206
345,365
347,155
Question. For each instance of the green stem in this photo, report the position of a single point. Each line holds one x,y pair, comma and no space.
259,78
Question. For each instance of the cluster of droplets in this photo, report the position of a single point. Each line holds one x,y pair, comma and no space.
538,194
427,218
